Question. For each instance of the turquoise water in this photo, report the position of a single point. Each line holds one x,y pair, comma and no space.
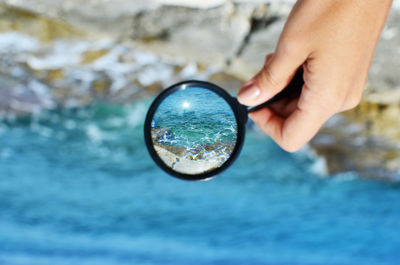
78,187
196,116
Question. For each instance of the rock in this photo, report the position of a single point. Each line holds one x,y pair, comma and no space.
366,139
209,32
227,81
96,18
22,98
186,165
384,73
44,28
73,73
260,43
200,36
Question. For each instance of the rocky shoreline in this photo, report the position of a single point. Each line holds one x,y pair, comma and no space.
220,41
185,165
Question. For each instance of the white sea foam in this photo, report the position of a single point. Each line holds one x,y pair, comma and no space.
17,42
345,176
98,135
317,164
94,133
61,55
136,114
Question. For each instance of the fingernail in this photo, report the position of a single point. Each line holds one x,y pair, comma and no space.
248,93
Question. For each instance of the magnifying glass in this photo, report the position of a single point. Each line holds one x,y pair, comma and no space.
194,130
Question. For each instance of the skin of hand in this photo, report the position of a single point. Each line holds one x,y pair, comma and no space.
334,41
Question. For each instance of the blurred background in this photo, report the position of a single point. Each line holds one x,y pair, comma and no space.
77,185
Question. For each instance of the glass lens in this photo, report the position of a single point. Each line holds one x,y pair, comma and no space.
194,130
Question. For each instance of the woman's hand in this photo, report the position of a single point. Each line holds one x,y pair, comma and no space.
334,41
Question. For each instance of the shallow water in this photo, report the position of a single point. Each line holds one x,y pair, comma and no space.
196,116
78,187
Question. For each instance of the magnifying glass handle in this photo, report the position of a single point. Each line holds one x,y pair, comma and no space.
293,89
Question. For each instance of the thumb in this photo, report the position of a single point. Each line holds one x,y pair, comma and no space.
278,71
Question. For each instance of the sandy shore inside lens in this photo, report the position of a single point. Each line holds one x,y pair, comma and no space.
184,165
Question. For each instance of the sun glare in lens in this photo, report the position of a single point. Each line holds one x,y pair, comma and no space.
186,105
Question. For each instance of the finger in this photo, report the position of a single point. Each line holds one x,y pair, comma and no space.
269,122
293,132
284,107
278,70
353,98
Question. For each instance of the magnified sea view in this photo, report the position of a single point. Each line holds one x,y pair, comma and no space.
194,130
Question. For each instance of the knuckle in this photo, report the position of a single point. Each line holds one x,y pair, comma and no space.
290,147
290,144
334,105
269,78
320,99
352,102
268,58
350,105
332,102
288,48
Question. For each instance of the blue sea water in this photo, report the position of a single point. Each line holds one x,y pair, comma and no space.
78,187
196,116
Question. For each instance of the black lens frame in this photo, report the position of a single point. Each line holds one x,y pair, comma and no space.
238,110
